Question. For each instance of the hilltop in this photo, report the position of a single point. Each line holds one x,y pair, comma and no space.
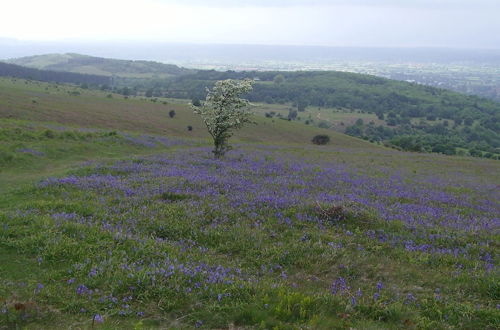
85,64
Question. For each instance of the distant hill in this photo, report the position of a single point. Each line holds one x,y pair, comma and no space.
85,64
17,71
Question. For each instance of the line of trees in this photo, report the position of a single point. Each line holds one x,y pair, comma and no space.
475,140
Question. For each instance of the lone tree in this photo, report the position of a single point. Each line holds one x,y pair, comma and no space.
196,102
224,111
279,79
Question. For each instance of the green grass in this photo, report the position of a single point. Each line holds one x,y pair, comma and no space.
27,105
93,109
90,134
336,119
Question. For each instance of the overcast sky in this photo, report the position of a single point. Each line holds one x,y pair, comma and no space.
392,23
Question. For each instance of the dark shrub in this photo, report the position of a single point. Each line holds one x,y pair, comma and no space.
475,153
331,213
489,155
173,197
301,106
321,139
49,134
68,135
391,122
324,124
468,121
190,128
444,149
171,113
292,114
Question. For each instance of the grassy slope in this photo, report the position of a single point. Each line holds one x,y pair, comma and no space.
44,156
94,109
23,102
337,119
418,273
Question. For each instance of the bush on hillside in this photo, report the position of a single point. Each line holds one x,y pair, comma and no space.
321,139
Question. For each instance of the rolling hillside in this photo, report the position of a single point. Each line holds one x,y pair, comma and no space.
70,105
409,116
115,216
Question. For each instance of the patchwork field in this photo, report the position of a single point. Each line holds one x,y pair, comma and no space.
113,215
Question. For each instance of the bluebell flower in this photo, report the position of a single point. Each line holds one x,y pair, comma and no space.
98,318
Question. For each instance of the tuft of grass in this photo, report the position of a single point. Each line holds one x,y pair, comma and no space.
173,197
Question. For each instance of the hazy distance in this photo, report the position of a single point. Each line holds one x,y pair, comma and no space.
342,23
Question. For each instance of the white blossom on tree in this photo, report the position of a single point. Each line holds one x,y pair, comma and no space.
224,111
